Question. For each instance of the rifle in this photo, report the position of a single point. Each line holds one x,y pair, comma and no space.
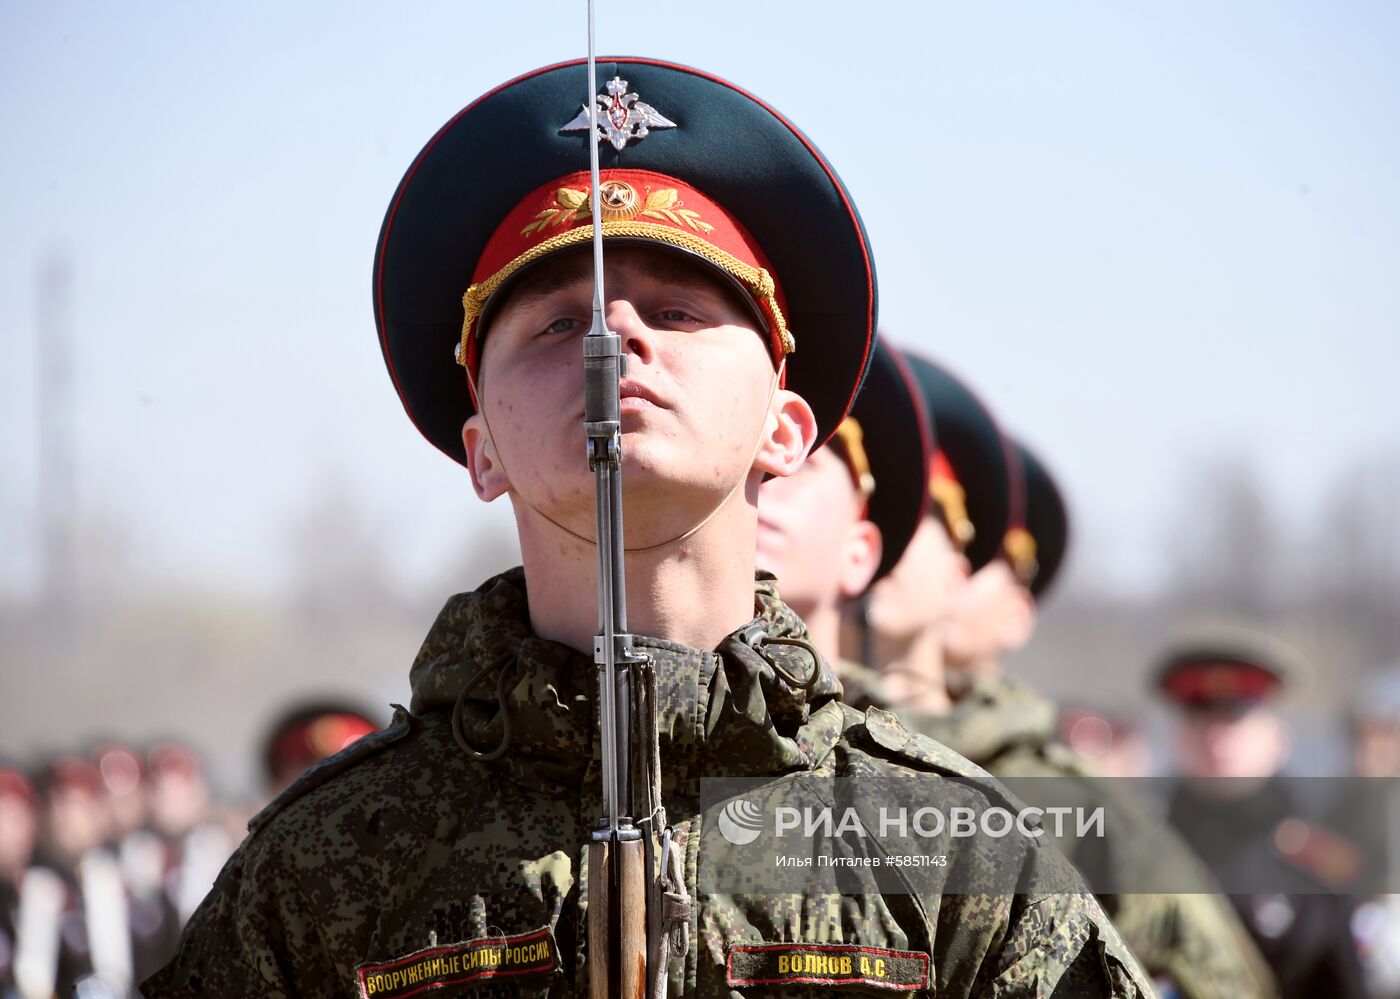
636,916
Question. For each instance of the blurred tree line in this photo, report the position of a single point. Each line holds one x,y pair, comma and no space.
1331,588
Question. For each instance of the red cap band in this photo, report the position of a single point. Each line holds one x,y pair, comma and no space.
319,738
14,784
637,204
1205,683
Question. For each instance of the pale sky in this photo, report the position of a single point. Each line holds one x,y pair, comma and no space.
1146,235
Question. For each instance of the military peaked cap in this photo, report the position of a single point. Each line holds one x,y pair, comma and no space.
888,433
971,466
689,163
1036,546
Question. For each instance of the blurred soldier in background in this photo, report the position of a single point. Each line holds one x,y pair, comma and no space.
101,852
19,829
124,781
73,813
180,797
306,734
1235,809
1001,514
1112,738
1375,721
1371,810
73,823
125,789
115,837
196,845
73,930
152,920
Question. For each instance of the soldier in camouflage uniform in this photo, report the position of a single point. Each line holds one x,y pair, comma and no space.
1184,933
446,852
843,521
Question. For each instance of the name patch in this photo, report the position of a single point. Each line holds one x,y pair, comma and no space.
832,965
531,953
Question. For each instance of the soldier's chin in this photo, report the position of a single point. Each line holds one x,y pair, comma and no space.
662,461
959,648
659,505
892,622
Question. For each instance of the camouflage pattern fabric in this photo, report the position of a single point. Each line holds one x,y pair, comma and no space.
1190,938
861,686
404,845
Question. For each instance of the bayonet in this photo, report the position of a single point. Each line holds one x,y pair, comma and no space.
623,894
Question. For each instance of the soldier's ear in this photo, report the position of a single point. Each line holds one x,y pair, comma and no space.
860,558
487,471
788,436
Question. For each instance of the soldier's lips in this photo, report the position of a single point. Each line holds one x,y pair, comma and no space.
634,395
632,398
632,403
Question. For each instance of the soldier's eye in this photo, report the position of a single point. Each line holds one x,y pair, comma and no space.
561,326
675,316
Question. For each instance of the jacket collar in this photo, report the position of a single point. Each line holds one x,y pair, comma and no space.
726,712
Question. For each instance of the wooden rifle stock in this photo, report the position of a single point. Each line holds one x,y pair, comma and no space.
617,937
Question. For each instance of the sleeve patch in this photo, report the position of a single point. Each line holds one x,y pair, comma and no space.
468,963
830,965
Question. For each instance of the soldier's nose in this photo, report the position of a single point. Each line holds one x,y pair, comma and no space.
636,335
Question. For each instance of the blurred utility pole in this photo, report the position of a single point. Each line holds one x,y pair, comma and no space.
1226,545
58,499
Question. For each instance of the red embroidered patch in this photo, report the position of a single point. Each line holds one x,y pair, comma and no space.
466,963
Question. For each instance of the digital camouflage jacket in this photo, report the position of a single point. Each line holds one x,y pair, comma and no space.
1188,936
406,865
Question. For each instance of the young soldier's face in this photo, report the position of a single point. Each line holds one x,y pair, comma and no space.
1244,744
990,614
699,410
916,594
19,826
812,535
1376,747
